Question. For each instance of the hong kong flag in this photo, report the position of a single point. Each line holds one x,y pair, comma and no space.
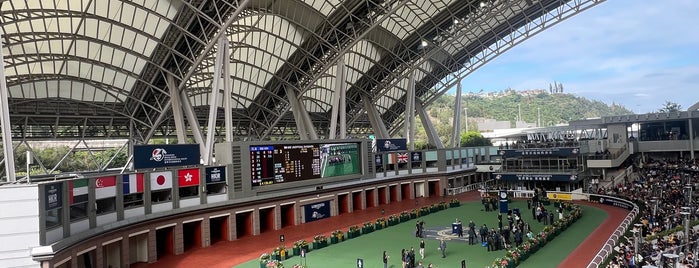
188,177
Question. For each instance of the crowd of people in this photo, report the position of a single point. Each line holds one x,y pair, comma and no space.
665,193
512,230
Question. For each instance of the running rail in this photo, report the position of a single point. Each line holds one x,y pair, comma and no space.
608,247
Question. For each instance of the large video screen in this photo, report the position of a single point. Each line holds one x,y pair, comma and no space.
271,164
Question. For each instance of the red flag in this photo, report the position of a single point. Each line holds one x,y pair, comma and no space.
188,177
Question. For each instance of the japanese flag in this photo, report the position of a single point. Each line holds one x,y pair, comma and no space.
161,180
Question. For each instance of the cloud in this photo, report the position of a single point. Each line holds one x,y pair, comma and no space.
624,51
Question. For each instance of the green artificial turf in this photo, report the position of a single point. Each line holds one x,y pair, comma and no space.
370,247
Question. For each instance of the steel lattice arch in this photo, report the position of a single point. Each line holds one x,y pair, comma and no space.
80,69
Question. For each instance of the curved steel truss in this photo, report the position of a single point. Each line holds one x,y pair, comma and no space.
99,68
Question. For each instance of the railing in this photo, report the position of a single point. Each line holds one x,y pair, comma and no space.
468,188
608,247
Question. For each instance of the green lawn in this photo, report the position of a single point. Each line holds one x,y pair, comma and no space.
347,168
369,247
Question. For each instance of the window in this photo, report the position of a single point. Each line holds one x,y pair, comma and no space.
104,206
53,218
161,196
189,192
133,200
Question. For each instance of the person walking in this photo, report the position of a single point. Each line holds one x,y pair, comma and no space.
422,249
385,259
443,247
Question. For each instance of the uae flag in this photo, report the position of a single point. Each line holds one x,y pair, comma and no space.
160,180
78,191
188,177
133,183
105,187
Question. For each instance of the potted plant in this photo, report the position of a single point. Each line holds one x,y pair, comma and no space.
298,246
319,241
336,237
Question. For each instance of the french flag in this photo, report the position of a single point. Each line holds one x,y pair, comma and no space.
133,183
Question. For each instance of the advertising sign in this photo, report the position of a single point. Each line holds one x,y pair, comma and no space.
611,201
165,155
215,175
559,196
538,152
317,211
536,177
389,145
53,195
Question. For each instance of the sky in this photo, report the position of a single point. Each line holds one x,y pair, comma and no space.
638,53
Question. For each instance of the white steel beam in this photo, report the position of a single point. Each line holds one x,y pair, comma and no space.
177,110
456,131
8,150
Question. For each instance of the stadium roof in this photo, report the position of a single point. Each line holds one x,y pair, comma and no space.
99,68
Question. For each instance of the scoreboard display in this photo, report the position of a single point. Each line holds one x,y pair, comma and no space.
284,163
278,163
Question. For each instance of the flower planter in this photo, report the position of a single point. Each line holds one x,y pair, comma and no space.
263,265
378,226
334,240
296,251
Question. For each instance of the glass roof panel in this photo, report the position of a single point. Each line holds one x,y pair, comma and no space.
325,6
256,54
82,25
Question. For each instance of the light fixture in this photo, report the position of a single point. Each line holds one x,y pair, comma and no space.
423,43
482,4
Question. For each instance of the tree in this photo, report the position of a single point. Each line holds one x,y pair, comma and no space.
670,107
474,139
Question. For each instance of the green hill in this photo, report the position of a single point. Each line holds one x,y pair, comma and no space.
554,108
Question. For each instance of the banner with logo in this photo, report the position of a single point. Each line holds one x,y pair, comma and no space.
53,195
105,187
559,196
389,145
317,211
160,180
215,174
536,177
133,183
416,156
378,160
564,152
611,201
188,177
165,155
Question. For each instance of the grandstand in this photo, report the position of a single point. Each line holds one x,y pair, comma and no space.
244,93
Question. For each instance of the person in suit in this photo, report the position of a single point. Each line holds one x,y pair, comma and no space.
471,235
443,247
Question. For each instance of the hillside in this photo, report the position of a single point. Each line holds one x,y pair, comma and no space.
555,108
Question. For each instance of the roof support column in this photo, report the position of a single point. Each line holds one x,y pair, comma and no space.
338,102
432,136
192,120
7,148
691,138
456,130
213,99
410,111
377,124
177,110
296,111
227,95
